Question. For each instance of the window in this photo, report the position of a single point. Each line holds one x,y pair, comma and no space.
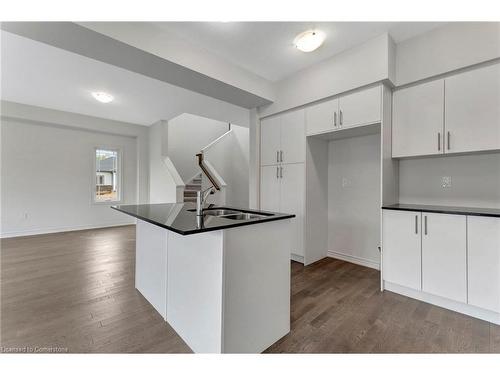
107,175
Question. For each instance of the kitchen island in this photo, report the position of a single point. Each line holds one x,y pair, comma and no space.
221,280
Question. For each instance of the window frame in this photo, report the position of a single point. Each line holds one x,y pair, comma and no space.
119,178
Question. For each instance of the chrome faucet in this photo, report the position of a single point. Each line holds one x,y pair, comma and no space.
201,196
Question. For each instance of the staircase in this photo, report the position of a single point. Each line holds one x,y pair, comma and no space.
191,188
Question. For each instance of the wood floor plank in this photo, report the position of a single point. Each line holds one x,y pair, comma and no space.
75,290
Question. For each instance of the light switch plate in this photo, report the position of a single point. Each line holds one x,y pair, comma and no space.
446,182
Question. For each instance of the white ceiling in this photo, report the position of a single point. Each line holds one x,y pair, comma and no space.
266,48
37,74
42,75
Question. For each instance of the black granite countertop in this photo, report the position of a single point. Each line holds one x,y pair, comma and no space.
472,211
181,217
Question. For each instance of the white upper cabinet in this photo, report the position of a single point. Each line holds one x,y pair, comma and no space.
444,271
483,240
356,109
270,140
322,117
293,144
418,124
472,107
360,108
283,139
401,252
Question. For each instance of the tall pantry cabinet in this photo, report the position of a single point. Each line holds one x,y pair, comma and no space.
282,172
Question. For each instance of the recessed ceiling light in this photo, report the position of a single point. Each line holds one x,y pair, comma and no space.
102,97
309,40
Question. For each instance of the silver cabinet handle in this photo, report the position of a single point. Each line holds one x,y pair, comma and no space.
448,140
335,119
425,225
277,156
341,117
439,141
416,224
281,156
277,172
281,172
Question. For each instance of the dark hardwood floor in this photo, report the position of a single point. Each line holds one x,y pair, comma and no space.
75,291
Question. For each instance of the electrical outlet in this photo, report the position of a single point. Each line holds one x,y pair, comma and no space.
446,182
346,182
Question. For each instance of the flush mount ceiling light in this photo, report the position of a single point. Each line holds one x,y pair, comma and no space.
102,97
309,40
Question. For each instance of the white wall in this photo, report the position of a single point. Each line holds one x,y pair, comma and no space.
354,68
162,184
354,210
475,180
89,123
47,176
187,135
450,47
254,160
230,159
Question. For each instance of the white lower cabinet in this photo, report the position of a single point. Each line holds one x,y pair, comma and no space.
445,259
283,190
444,271
402,248
483,241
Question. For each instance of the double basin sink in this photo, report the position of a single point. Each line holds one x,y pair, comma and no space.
231,214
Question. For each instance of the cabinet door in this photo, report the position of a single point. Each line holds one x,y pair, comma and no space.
322,117
444,244
293,137
292,195
472,105
270,188
484,262
401,251
270,142
417,123
360,108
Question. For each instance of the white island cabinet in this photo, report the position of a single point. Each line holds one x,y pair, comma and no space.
223,284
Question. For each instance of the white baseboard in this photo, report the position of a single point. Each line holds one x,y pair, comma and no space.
353,259
34,232
297,258
463,308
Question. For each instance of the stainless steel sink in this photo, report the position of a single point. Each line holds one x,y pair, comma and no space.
243,216
232,214
219,212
